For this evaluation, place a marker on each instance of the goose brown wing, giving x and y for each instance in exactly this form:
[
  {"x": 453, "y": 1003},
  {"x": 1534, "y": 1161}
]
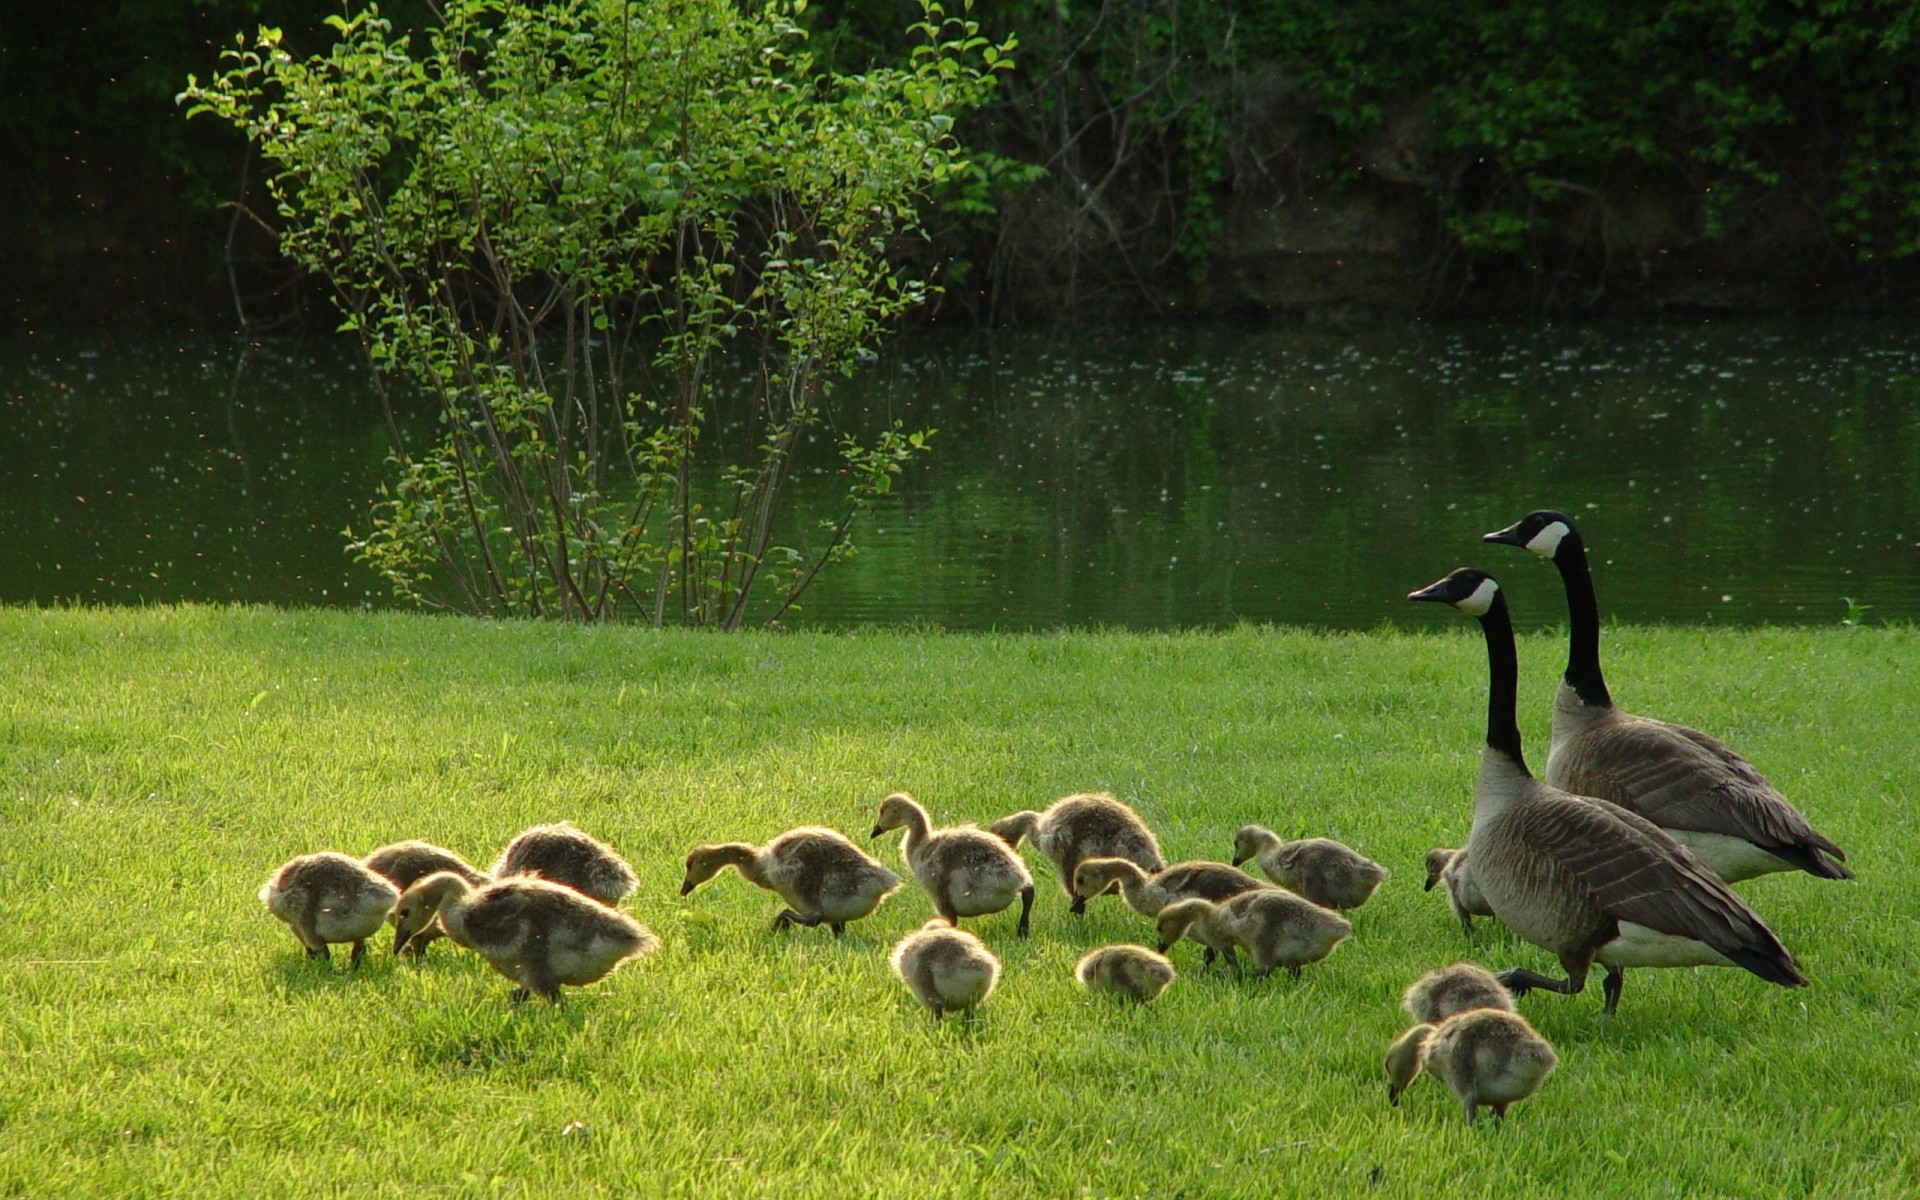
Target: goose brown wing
[
  {"x": 1636, "y": 872},
  {"x": 821, "y": 862},
  {"x": 1680, "y": 778}
]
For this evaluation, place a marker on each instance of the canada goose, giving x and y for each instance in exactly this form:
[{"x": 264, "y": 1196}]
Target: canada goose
[
  {"x": 1450, "y": 867},
  {"x": 537, "y": 933},
  {"x": 967, "y": 871},
  {"x": 1148, "y": 894},
  {"x": 946, "y": 968},
  {"x": 1454, "y": 988},
  {"x": 1585, "y": 878},
  {"x": 1321, "y": 869},
  {"x": 328, "y": 898},
  {"x": 404, "y": 863},
  {"x": 566, "y": 856},
  {"x": 1709, "y": 798},
  {"x": 1076, "y": 828},
  {"x": 1483, "y": 1055},
  {"x": 1133, "y": 972},
  {"x": 821, "y": 875},
  {"x": 1275, "y": 927}
]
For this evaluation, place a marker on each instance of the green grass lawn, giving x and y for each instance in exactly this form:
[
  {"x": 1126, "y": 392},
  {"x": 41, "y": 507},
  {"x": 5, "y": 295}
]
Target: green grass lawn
[{"x": 161, "y": 1034}]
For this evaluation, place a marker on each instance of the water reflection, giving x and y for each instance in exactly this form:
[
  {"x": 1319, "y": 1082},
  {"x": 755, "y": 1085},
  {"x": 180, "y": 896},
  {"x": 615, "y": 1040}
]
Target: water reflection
[{"x": 1724, "y": 473}]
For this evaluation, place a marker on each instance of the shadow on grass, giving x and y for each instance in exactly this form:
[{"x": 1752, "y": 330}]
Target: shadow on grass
[{"x": 300, "y": 977}]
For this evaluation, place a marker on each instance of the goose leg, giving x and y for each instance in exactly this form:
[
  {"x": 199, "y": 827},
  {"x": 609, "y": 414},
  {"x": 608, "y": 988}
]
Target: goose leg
[
  {"x": 839, "y": 929},
  {"x": 318, "y": 952},
  {"x": 1500, "y": 1112},
  {"x": 517, "y": 995},
  {"x": 539, "y": 980},
  {"x": 359, "y": 952},
  {"x": 1026, "y": 907},
  {"x": 1294, "y": 970},
  {"x": 1610, "y": 988},
  {"x": 1520, "y": 981},
  {"x": 943, "y": 905},
  {"x": 787, "y": 918}
]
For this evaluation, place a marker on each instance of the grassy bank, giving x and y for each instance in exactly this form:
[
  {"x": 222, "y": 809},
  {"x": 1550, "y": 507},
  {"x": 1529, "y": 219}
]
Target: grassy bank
[{"x": 161, "y": 1034}]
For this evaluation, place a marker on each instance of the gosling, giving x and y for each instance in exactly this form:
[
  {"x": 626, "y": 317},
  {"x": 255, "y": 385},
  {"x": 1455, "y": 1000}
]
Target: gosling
[
  {"x": 539, "y": 934},
  {"x": 1079, "y": 827},
  {"x": 564, "y": 855},
  {"x": 946, "y": 969},
  {"x": 328, "y": 898},
  {"x": 1147, "y": 894},
  {"x": 405, "y": 863},
  {"x": 1275, "y": 927},
  {"x": 1484, "y": 1056},
  {"x": 1444, "y": 991},
  {"x": 968, "y": 872},
  {"x": 1449, "y": 866},
  {"x": 1133, "y": 973},
  {"x": 1321, "y": 869},
  {"x": 821, "y": 875}
]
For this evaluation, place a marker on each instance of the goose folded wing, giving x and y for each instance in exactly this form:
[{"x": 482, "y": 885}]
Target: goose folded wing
[{"x": 1634, "y": 871}]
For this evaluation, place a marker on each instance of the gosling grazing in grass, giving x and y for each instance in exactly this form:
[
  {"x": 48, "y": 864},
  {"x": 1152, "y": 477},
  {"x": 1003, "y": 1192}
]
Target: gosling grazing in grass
[
  {"x": 1321, "y": 869},
  {"x": 1706, "y": 796},
  {"x": 1484, "y": 1056},
  {"x": 1275, "y": 927},
  {"x": 539, "y": 934},
  {"x": 404, "y": 863},
  {"x": 966, "y": 871},
  {"x": 1449, "y": 866},
  {"x": 1457, "y": 987},
  {"x": 821, "y": 875},
  {"x": 1132, "y": 972},
  {"x": 1585, "y": 878},
  {"x": 1148, "y": 894},
  {"x": 564, "y": 855},
  {"x": 946, "y": 969},
  {"x": 1076, "y": 828},
  {"x": 328, "y": 898}
]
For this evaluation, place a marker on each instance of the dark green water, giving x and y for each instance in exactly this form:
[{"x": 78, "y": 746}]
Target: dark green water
[{"x": 1748, "y": 472}]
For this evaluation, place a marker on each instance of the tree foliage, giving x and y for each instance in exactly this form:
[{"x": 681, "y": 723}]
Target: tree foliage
[{"x": 595, "y": 232}]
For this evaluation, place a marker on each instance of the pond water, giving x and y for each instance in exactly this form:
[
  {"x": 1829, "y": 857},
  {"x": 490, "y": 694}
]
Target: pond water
[{"x": 1742, "y": 472}]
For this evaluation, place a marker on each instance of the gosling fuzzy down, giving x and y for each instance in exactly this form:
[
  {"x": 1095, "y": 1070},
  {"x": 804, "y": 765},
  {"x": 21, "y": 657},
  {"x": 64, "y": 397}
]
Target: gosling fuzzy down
[
  {"x": 1324, "y": 871},
  {"x": 1131, "y": 972},
  {"x": 1275, "y": 927},
  {"x": 539, "y": 934},
  {"x": 1457, "y": 987},
  {"x": 967, "y": 872},
  {"x": 1485, "y": 1057},
  {"x": 1076, "y": 828},
  {"x": 327, "y": 898},
  {"x": 404, "y": 864},
  {"x": 946, "y": 969},
  {"x": 1449, "y": 866},
  {"x": 562, "y": 854},
  {"x": 821, "y": 875}
]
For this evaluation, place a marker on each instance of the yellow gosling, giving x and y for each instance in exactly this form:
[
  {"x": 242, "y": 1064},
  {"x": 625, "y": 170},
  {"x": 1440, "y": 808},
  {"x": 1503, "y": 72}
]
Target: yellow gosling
[
  {"x": 327, "y": 898},
  {"x": 821, "y": 875},
  {"x": 1131, "y": 972},
  {"x": 946, "y": 969}
]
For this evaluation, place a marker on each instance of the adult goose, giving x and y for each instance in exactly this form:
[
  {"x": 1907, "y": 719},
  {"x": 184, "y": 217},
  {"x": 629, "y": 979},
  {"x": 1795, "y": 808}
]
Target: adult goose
[
  {"x": 1584, "y": 878},
  {"x": 1690, "y": 785}
]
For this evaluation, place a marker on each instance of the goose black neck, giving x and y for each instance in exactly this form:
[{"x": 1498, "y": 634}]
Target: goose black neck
[
  {"x": 1583, "y": 625},
  {"x": 1503, "y": 677}
]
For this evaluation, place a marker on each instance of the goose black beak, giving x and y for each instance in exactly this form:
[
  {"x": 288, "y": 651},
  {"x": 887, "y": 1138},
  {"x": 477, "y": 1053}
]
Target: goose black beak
[
  {"x": 1240, "y": 858},
  {"x": 1510, "y": 536},
  {"x": 1431, "y": 880},
  {"x": 1434, "y": 591},
  {"x": 1079, "y": 904},
  {"x": 877, "y": 831},
  {"x": 686, "y": 888},
  {"x": 1165, "y": 946},
  {"x": 400, "y": 939}
]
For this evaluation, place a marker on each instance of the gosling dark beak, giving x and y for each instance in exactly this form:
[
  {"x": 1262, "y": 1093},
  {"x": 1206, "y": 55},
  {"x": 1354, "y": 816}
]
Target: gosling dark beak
[
  {"x": 1240, "y": 858},
  {"x": 686, "y": 887},
  {"x": 400, "y": 939},
  {"x": 1510, "y": 536},
  {"x": 1165, "y": 946},
  {"x": 1431, "y": 880},
  {"x": 1434, "y": 591},
  {"x": 877, "y": 831},
  {"x": 1079, "y": 904}
]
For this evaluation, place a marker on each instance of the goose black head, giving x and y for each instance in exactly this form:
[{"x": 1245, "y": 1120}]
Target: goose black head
[
  {"x": 1470, "y": 590},
  {"x": 1541, "y": 531}
]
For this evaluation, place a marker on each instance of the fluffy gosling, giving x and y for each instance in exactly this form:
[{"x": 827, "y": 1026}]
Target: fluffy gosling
[
  {"x": 1449, "y": 866},
  {"x": 1484, "y": 1056},
  {"x": 327, "y": 898},
  {"x": 1132, "y": 972},
  {"x": 405, "y": 863},
  {"x": 1444, "y": 991},
  {"x": 946, "y": 969},
  {"x": 967, "y": 872},
  {"x": 821, "y": 875},
  {"x": 1076, "y": 828},
  {"x": 564, "y": 855},
  {"x": 1275, "y": 927},
  {"x": 1321, "y": 869},
  {"x": 537, "y": 933}
]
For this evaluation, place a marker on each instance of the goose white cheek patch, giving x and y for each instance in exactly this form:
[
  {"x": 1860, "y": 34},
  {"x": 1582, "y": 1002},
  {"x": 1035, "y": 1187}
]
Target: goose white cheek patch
[
  {"x": 1547, "y": 541},
  {"x": 1477, "y": 604}
]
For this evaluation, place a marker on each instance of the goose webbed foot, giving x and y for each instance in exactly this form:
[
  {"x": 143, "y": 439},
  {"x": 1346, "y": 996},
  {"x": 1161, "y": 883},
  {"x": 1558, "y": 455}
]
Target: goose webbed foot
[{"x": 1520, "y": 981}]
